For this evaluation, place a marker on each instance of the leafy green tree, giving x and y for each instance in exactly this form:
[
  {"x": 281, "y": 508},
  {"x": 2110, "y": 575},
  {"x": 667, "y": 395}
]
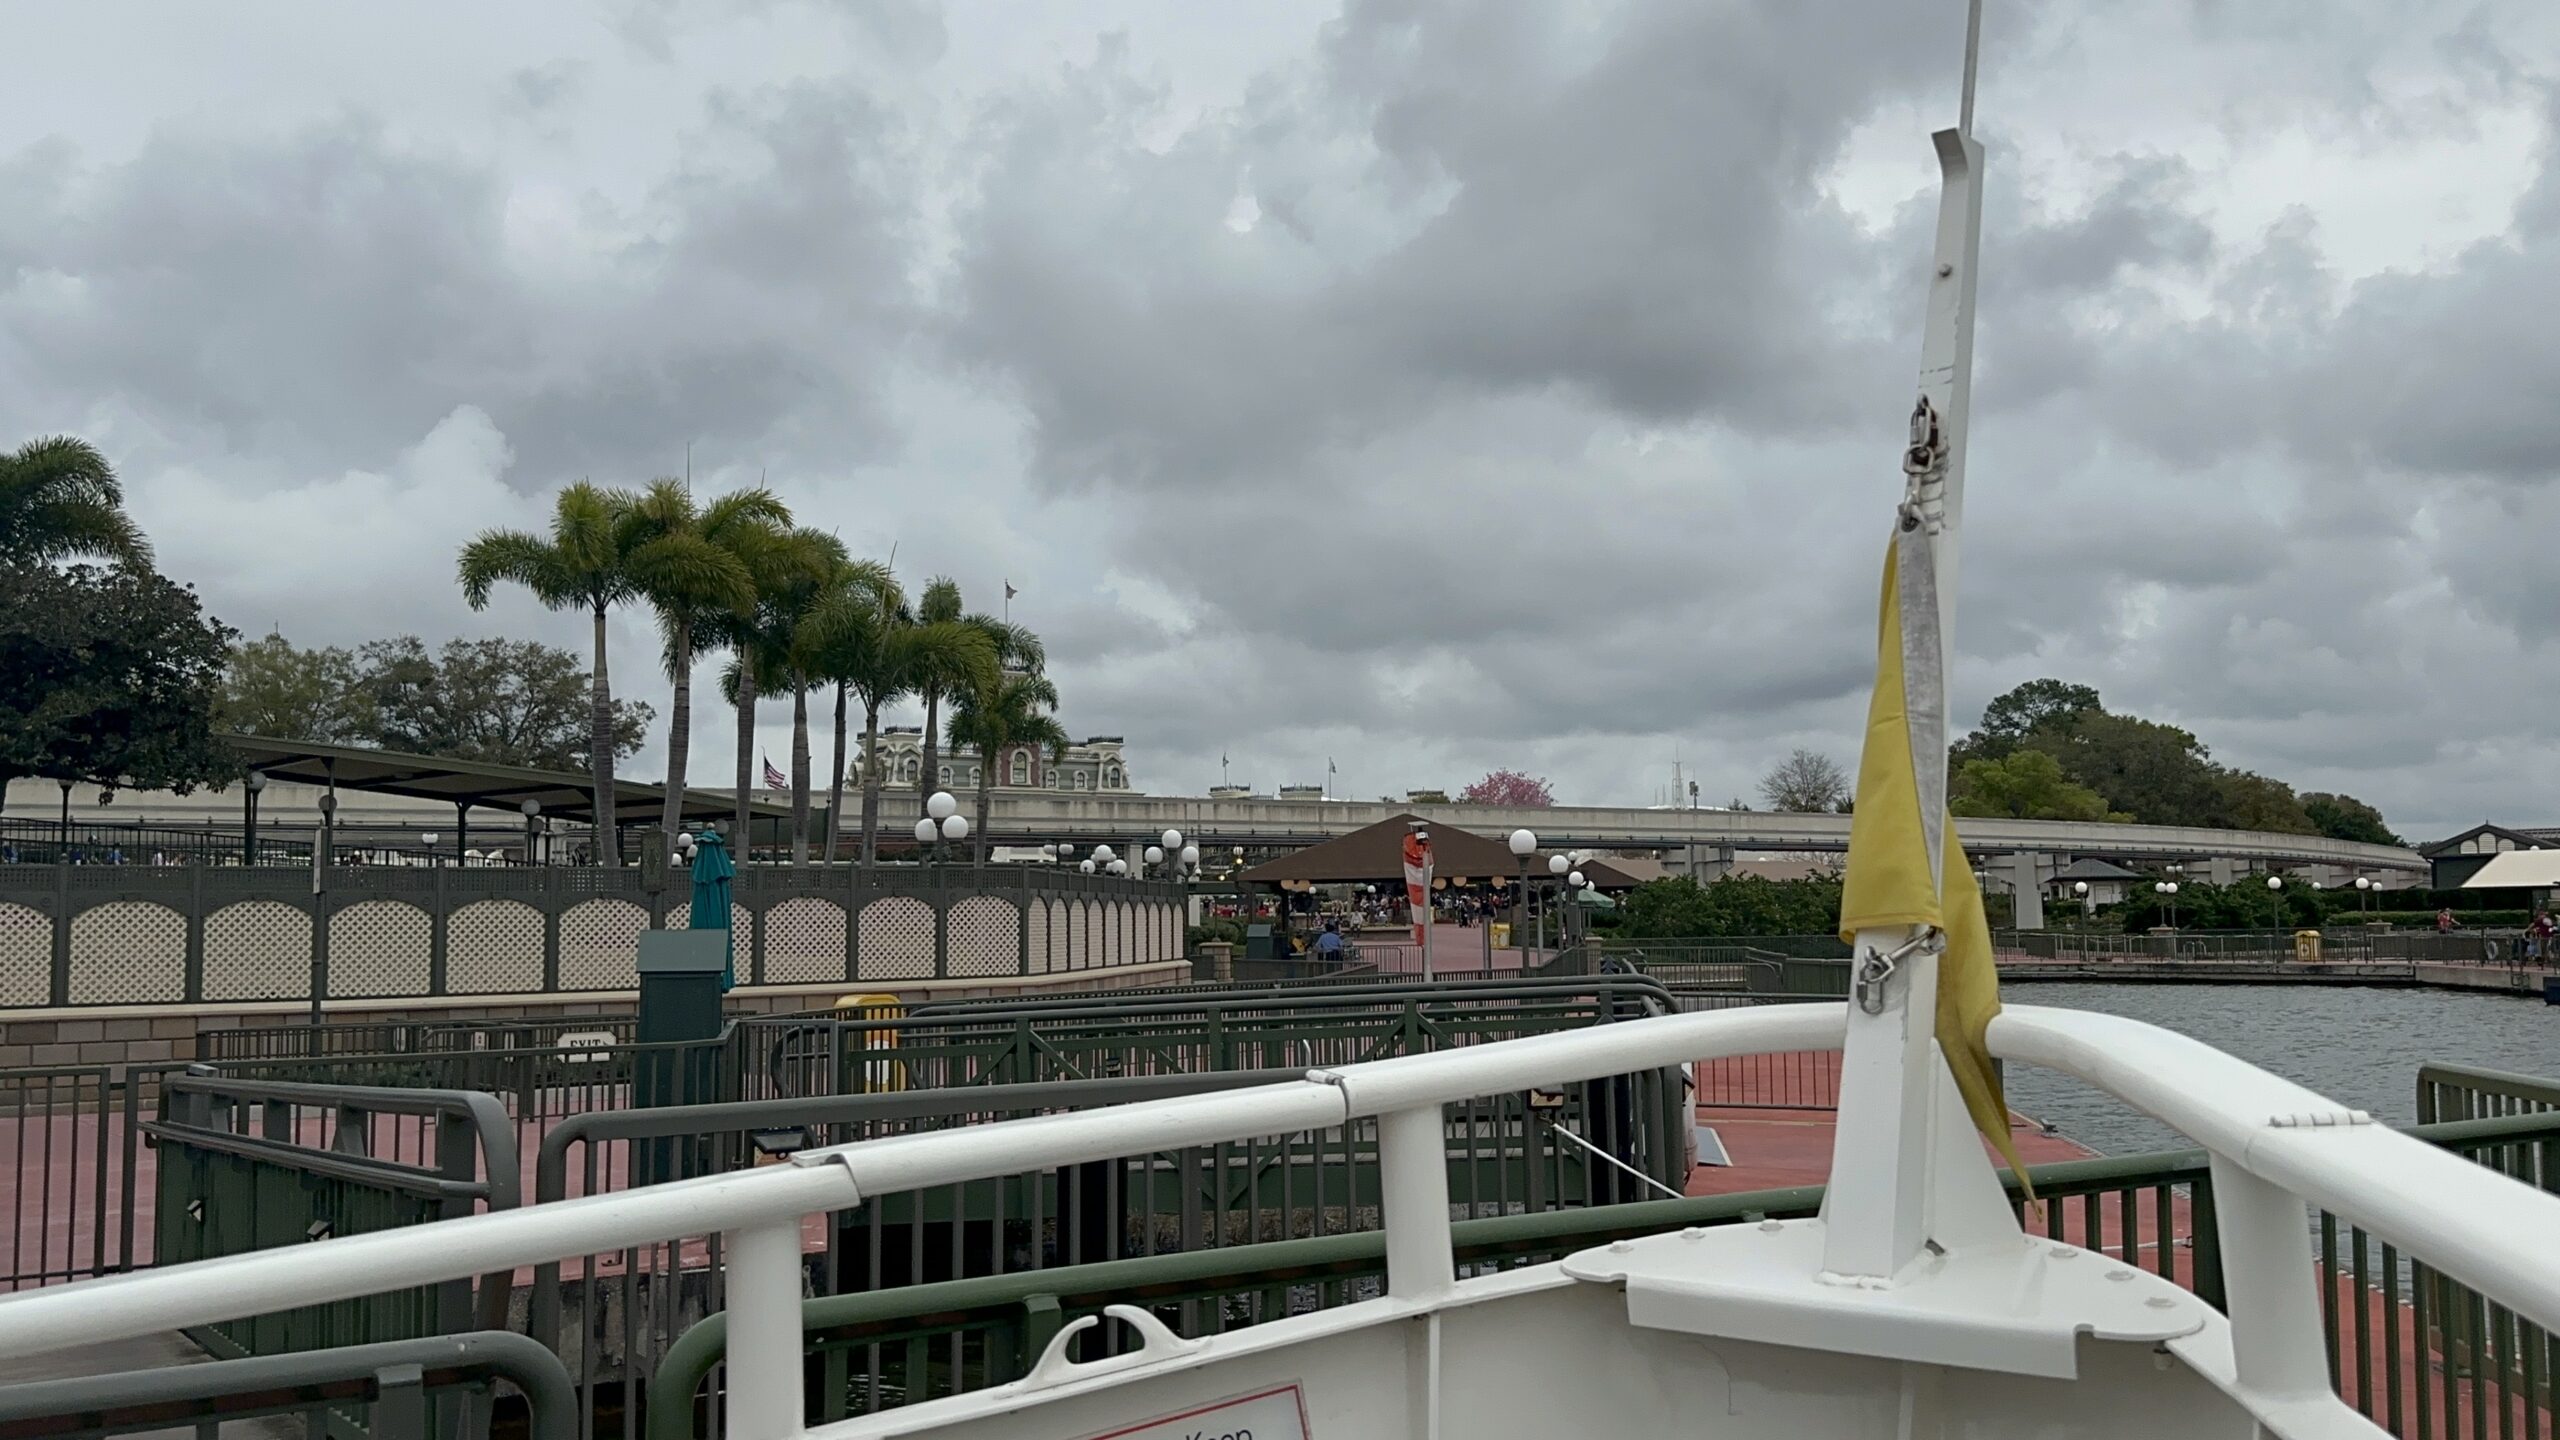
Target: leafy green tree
[
  {"x": 2158, "y": 774},
  {"x": 691, "y": 562},
  {"x": 108, "y": 676},
  {"x": 272, "y": 687},
  {"x": 1003, "y": 710},
  {"x": 2033, "y": 707},
  {"x": 2344, "y": 817},
  {"x": 583, "y": 564},
  {"x": 2024, "y": 785},
  {"x": 60, "y": 500},
  {"x": 2245, "y": 800},
  {"x": 503, "y": 702}
]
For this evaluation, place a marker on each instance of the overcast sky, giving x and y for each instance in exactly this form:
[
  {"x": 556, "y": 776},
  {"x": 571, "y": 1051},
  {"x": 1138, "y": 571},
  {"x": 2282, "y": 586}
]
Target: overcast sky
[{"x": 1428, "y": 386}]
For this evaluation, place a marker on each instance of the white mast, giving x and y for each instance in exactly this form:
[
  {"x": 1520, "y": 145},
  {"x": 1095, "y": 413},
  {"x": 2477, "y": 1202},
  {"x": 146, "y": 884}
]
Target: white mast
[{"x": 1878, "y": 1211}]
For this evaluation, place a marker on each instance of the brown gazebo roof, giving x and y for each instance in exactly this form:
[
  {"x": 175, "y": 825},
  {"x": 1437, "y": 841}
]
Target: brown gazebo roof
[{"x": 1376, "y": 852}]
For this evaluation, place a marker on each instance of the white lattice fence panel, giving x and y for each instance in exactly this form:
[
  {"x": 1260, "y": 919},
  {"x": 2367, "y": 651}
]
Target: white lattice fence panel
[
  {"x": 26, "y": 955},
  {"x": 379, "y": 948},
  {"x": 1160, "y": 932},
  {"x": 1115, "y": 933},
  {"x": 1089, "y": 934},
  {"x": 986, "y": 937},
  {"x": 493, "y": 947},
  {"x": 128, "y": 950},
  {"x": 600, "y": 945},
  {"x": 1035, "y": 936},
  {"x": 257, "y": 950},
  {"x": 803, "y": 941},
  {"x": 897, "y": 939},
  {"x": 741, "y": 921}
]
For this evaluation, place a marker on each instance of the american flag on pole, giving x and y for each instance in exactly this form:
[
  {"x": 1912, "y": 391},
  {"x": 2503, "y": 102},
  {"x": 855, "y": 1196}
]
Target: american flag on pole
[
  {"x": 774, "y": 779},
  {"x": 1417, "y": 882}
]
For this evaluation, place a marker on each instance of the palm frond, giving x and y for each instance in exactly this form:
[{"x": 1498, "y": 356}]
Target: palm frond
[
  {"x": 514, "y": 556},
  {"x": 59, "y": 498}
]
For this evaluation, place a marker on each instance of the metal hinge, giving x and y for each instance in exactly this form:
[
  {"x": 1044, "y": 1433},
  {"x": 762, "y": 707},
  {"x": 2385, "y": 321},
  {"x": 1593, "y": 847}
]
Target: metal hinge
[
  {"x": 2320, "y": 1120},
  {"x": 1878, "y": 966}
]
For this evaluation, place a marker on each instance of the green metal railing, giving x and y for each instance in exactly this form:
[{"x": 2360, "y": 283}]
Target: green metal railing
[
  {"x": 2465, "y": 1092},
  {"x": 884, "y": 1350},
  {"x": 247, "y": 1165},
  {"x": 398, "y": 1390}
]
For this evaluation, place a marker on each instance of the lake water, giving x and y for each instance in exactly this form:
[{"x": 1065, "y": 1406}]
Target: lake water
[{"x": 2360, "y": 1047}]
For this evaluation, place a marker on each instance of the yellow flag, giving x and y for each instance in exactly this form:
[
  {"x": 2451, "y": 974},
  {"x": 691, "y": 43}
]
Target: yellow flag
[{"x": 1888, "y": 885}]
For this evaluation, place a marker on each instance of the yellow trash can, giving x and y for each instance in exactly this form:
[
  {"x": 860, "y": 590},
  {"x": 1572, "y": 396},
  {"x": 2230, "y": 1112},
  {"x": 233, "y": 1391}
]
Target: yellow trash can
[
  {"x": 881, "y": 1073},
  {"x": 2306, "y": 945},
  {"x": 1501, "y": 934}
]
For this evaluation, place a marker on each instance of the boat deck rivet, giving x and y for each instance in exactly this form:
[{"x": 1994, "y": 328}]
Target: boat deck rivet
[
  {"x": 2119, "y": 1274},
  {"x": 1693, "y": 1233},
  {"x": 1771, "y": 1225},
  {"x": 1620, "y": 1247},
  {"x": 2065, "y": 1252},
  {"x": 2159, "y": 1302}
]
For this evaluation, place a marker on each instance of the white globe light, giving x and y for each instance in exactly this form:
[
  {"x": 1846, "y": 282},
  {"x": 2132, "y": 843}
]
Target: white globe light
[
  {"x": 1172, "y": 842},
  {"x": 1102, "y": 853},
  {"x": 531, "y": 808},
  {"x": 2363, "y": 884},
  {"x": 926, "y": 831},
  {"x": 955, "y": 827},
  {"x": 2275, "y": 882},
  {"x": 1523, "y": 842},
  {"x": 1557, "y": 865},
  {"x": 1119, "y": 867},
  {"x": 2173, "y": 887},
  {"x": 2079, "y": 887},
  {"x": 1085, "y": 865},
  {"x": 1155, "y": 854},
  {"x": 1576, "y": 879},
  {"x": 1191, "y": 855},
  {"x": 1050, "y": 851},
  {"x": 941, "y": 806}
]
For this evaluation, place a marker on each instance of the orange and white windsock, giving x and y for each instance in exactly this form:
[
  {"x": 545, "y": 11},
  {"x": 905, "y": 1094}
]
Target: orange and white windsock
[{"x": 1417, "y": 879}]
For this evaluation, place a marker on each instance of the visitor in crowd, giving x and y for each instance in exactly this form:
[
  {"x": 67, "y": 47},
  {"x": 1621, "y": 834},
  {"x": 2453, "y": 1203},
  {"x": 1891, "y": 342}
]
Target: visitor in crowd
[
  {"x": 2444, "y": 921},
  {"x": 1329, "y": 944},
  {"x": 2537, "y": 938}
]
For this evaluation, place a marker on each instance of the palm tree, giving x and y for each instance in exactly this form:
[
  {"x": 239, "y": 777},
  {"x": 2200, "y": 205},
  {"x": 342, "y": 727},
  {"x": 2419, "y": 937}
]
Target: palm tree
[
  {"x": 1015, "y": 648},
  {"x": 59, "y": 499},
  {"x": 875, "y": 651},
  {"x": 692, "y": 565},
  {"x": 586, "y": 563},
  {"x": 785, "y": 564},
  {"x": 1004, "y": 710}
]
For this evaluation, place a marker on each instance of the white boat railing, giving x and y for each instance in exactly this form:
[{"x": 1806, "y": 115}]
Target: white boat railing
[{"x": 2275, "y": 1145}]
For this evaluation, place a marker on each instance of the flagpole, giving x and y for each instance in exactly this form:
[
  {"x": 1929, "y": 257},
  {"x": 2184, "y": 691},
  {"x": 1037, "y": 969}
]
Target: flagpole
[{"x": 1877, "y": 1212}]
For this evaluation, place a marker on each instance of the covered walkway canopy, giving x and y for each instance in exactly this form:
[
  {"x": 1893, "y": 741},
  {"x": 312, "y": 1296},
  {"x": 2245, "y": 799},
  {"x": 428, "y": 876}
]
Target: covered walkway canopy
[
  {"x": 562, "y": 794},
  {"x": 1376, "y": 852}
]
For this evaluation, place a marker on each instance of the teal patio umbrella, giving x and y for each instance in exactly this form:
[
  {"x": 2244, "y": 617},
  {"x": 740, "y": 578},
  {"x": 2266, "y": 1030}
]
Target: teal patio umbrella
[{"x": 711, "y": 873}]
